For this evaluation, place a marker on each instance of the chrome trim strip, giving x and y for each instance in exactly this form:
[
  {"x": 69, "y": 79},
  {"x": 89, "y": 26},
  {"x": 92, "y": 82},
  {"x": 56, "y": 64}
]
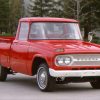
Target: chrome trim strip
[
  {"x": 82, "y": 59},
  {"x": 73, "y": 73}
]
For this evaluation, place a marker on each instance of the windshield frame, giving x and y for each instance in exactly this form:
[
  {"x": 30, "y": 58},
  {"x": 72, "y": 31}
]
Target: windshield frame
[{"x": 55, "y": 38}]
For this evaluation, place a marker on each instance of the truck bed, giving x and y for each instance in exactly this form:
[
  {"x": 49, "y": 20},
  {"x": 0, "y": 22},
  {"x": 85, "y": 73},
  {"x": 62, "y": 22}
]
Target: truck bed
[
  {"x": 6, "y": 39},
  {"x": 5, "y": 51}
]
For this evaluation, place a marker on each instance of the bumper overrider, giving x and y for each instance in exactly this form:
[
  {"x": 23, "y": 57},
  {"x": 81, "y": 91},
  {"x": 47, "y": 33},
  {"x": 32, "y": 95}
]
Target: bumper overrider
[{"x": 74, "y": 73}]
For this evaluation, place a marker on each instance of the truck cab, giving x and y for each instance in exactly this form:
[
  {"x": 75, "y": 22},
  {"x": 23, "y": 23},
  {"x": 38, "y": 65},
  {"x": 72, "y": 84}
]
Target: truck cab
[{"x": 53, "y": 50}]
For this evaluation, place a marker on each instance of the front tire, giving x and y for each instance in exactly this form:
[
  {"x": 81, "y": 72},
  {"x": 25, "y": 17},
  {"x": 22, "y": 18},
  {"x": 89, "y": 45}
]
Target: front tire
[
  {"x": 96, "y": 84},
  {"x": 3, "y": 73},
  {"x": 44, "y": 80}
]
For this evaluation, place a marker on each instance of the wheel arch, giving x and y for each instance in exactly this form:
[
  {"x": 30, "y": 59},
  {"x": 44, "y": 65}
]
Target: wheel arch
[{"x": 36, "y": 61}]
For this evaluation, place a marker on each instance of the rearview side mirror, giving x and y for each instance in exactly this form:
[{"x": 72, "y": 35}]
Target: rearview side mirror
[{"x": 90, "y": 36}]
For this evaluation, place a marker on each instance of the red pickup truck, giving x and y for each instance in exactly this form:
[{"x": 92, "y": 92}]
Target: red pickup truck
[{"x": 53, "y": 50}]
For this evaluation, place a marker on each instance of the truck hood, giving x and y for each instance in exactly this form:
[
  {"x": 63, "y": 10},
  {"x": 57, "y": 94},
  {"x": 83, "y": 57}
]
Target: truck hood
[
  {"x": 70, "y": 46},
  {"x": 77, "y": 47}
]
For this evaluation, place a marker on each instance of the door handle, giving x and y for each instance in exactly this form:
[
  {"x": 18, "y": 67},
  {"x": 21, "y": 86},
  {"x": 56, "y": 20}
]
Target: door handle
[{"x": 15, "y": 42}]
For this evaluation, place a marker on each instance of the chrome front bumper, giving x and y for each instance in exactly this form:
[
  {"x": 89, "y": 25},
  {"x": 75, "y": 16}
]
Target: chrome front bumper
[{"x": 74, "y": 73}]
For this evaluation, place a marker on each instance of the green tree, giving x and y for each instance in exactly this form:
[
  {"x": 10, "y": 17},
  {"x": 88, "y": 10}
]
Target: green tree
[
  {"x": 40, "y": 7},
  {"x": 15, "y": 14},
  {"x": 88, "y": 16},
  {"x": 45, "y": 8},
  {"x": 57, "y": 9},
  {"x": 4, "y": 15},
  {"x": 86, "y": 11}
]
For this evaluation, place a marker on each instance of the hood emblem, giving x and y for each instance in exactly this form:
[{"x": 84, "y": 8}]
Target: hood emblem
[{"x": 60, "y": 50}]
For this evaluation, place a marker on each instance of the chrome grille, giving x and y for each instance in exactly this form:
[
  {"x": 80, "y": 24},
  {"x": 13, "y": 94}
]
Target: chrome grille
[{"x": 85, "y": 60}]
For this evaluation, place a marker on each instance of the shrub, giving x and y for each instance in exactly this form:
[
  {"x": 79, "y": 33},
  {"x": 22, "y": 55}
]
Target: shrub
[{"x": 6, "y": 34}]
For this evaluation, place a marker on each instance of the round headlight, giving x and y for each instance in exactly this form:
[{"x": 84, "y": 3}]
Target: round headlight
[
  {"x": 60, "y": 61},
  {"x": 63, "y": 60},
  {"x": 67, "y": 60}
]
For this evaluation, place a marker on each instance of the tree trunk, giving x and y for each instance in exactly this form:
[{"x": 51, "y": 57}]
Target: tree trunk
[{"x": 87, "y": 29}]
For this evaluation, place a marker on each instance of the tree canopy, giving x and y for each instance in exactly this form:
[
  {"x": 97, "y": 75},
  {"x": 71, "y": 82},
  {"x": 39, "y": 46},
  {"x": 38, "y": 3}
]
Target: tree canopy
[
  {"x": 4, "y": 15},
  {"x": 15, "y": 14},
  {"x": 86, "y": 11},
  {"x": 10, "y": 12},
  {"x": 45, "y": 8},
  {"x": 83, "y": 10}
]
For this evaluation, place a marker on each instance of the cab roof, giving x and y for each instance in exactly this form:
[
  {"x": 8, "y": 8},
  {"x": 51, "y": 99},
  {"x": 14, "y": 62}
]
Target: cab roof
[{"x": 46, "y": 19}]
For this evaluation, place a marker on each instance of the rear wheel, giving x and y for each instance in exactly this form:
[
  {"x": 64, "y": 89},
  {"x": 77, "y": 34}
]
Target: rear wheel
[
  {"x": 3, "y": 73},
  {"x": 96, "y": 84},
  {"x": 44, "y": 80}
]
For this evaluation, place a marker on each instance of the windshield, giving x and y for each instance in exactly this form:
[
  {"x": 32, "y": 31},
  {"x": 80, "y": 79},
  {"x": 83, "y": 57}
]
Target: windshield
[{"x": 60, "y": 31}]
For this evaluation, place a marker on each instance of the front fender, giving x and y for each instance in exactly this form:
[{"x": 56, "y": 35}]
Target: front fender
[{"x": 48, "y": 60}]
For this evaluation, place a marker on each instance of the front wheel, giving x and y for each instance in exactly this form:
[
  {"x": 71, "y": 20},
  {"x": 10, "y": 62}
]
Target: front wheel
[
  {"x": 96, "y": 84},
  {"x": 44, "y": 80},
  {"x": 3, "y": 73}
]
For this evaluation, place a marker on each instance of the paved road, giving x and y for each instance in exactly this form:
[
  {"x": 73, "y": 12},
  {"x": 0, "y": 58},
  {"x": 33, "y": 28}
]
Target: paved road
[{"x": 22, "y": 87}]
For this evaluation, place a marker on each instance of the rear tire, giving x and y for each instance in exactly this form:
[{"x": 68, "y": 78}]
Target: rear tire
[
  {"x": 45, "y": 82},
  {"x": 3, "y": 73},
  {"x": 96, "y": 84}
]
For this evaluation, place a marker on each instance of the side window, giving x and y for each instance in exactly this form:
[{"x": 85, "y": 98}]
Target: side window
[
  {"x": 24, "y": 29},
  {"x": 36, "y": 31}
]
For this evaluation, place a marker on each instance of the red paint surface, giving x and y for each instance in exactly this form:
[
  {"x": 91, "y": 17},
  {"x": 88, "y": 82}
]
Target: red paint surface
[
  {"x": 47, "y": 19},
  {"x": 19, "y": 55}
]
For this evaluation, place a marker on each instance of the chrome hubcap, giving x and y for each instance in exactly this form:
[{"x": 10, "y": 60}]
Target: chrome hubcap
[{"x": 42, "y": 78}]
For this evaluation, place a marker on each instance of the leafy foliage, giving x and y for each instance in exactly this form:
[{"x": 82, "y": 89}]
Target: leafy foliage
[
  {"x": 86, "y": 11},
  {"x": 14, "y": 14},
  {"x": 10, "y": 12},
  {"x": 40, "y": 7},
  {"x": 6, "y": 34},
  {"x": 96, "y": 40},
  {"x": 45, "y": 8},
  {"x": 4, "y": 15}
]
